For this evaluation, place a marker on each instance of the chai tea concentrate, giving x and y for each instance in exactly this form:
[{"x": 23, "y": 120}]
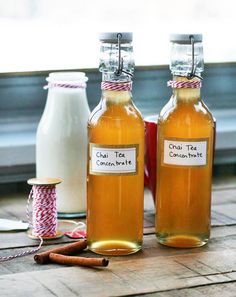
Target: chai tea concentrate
[
  {"x": 185, "y": 152},
  {"x": 115, "y": 156}
]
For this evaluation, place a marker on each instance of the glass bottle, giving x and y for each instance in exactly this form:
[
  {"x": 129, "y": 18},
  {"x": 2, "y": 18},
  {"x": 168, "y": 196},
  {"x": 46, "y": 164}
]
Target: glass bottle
[
  {"x": 115, "y": 156},
  {"x": 61, "y": 144},
  {"x": 185, "y": 152}
]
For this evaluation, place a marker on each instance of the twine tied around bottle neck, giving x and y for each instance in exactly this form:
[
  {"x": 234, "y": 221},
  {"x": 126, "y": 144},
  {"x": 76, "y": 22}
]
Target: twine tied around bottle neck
[
  {"x": 52, "y": 85},
  {"x": 184, "y": 84},
  {"x": 116, "y": 86}
]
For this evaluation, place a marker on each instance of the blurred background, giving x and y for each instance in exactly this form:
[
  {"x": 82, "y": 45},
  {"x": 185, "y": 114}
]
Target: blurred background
[{"x": 59, "y": 34}]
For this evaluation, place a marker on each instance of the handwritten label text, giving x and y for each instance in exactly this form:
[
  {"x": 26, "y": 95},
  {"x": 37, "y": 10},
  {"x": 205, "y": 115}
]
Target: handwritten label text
[
  {"x": 185, "y": 153},
  {"x": 113, "y": 160}
]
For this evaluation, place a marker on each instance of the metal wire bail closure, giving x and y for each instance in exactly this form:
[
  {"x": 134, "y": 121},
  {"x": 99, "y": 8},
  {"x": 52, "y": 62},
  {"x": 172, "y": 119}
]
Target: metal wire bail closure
[
  {"x": 120, "y": 59},
  {"x": 192, "y": 74},
  {"x": 120, "y": 69}
]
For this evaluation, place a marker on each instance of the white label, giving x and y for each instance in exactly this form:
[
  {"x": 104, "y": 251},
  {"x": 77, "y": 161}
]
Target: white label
[
  {"x": 113, "y": 159},
  {"x": 185, "y": 153}
]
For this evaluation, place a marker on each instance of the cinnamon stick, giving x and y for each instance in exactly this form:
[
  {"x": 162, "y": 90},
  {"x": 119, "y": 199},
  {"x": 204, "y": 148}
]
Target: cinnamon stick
[
  {"x": 69, "y": 249},
  {"x": 81, "y": 261}
]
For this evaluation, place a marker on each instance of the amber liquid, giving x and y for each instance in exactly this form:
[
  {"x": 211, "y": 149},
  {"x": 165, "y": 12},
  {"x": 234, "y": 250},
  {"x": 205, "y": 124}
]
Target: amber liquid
[
  {"x": 115, "y": 202},
  {"x": 184, "y": 192}
]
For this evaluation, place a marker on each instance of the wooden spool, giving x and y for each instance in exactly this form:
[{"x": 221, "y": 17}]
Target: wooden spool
[{"x": 45, "y": 181}]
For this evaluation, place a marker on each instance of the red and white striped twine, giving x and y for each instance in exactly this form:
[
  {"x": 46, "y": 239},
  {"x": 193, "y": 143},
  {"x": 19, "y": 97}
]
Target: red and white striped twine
[
  {"x": 44, "y": 222},
  {"x": 184, "y": 84},
  {"x": 22, "y": 254},
  {"x": 51, "y": 85},
  {"x": 116, "y": 86}
]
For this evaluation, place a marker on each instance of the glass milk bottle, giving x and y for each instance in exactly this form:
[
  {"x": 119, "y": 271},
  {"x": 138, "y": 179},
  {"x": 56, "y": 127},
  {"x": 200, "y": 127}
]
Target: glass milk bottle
[
  {"x": 115, "y": 156},
  {"x": 61, "y": 145},
  {"x": 185, "y": 152}
]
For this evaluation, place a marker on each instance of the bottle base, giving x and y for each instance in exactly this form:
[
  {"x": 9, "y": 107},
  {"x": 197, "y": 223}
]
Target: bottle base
[
  {"x": 71, "y": 215},
  {"x": 114, "y": 247},
  {"x": 182, "y": 241}
]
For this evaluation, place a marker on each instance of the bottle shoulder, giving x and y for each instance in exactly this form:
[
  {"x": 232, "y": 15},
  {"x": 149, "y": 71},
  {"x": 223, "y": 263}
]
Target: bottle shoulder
[
  {"x": 105, "y": 113},
  {"x": 185, "y": 112}
]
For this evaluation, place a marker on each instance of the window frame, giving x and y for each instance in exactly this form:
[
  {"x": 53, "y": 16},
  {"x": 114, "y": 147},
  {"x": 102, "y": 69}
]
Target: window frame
[{"x": 22, "y": 100}]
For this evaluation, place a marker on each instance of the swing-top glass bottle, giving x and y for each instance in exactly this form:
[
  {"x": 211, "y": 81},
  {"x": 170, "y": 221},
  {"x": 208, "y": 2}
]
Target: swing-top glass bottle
[
  {"x": 115, "y": 155},
  {"x": 185, "y": 152}
]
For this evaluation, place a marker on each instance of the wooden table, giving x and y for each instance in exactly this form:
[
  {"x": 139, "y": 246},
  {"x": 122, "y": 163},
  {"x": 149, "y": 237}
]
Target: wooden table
[{"x": 155, "y": 271}]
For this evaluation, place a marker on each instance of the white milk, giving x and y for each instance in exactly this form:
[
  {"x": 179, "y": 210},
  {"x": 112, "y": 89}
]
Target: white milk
[{"x": 61, "y": 145}]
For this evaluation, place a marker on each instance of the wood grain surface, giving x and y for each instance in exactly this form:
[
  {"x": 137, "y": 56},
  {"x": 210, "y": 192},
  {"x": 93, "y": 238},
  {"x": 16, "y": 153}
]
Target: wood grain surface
[{"x": 155, "y": 271}]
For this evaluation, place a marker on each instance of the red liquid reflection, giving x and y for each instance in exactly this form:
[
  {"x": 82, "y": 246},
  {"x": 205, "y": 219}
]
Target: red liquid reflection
[{"x": 150, "y": 153}]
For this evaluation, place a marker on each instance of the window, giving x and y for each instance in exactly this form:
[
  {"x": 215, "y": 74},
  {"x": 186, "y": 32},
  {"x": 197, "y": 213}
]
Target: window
[{"x": 63, "y": 34}]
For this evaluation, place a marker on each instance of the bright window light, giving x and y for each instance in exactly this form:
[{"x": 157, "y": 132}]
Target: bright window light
[{"x": 63, "y": 34}]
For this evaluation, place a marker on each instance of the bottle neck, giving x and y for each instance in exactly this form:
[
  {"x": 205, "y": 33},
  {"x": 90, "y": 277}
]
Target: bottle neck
[
  {"x": 66, "y": 101},
  {"x": 186, "y": 94},
  {"x": 112, "y": 77},
  {"x": 66, "y": 94},
  {"x": 116, "y": 97}
]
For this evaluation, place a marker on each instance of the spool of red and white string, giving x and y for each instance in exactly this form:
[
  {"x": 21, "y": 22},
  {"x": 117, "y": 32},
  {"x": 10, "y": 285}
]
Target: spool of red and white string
[
  {"x": 197, "y": 84},
  {"x": 44, "y": 210},
  {"x": 116, "y": 86},
  {"x": 44, "y": 213}
]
